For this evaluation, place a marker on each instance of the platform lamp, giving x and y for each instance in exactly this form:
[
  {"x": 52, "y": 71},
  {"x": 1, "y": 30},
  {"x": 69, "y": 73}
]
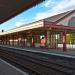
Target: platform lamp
[{"x": 2, "y": 30}]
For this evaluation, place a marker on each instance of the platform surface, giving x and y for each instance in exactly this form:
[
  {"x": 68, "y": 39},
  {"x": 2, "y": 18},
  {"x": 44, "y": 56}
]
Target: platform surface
[
  {"x": 8, "y": 69},
  {"x": 59, "y": 52}
]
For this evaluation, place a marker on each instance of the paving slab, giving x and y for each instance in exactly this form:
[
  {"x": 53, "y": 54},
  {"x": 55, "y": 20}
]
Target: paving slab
[{"x": 8, "y": 69}]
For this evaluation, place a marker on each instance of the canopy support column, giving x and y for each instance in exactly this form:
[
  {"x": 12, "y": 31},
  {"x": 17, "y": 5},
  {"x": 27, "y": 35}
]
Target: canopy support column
[
  {"x": 48, "y": 39},
  {"x": 64, "y": 41}
]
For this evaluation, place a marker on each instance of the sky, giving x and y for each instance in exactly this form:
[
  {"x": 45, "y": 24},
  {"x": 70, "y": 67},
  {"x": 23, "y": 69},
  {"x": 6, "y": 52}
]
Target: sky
[{"x": 43, "y": 10}]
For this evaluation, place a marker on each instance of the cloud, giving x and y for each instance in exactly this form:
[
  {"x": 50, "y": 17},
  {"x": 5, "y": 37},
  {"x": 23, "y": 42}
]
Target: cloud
[
  {"x": 59, "y": 7},
  {"x": 64, "y": 4},
  {"x": 47, "y": 3},
  {"x": 21, "y": 22}
]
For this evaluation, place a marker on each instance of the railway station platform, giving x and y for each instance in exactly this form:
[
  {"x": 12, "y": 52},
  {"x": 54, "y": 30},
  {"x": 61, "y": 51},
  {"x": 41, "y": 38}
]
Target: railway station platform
[
  {"x": 68, "y": 53},
  {"x": 8, "y": 69},
  {"x": 50, "y": 61}
]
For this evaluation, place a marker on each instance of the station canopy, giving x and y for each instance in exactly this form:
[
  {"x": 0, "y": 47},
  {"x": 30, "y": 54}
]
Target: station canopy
[{"x": 10, "y": 8}]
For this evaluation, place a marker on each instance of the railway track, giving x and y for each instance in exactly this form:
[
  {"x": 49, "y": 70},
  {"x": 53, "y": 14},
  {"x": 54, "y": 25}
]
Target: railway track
[{"x": 39, "y": 63}]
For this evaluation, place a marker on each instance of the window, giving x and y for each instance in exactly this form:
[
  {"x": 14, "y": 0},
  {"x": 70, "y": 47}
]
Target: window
[{"x": 72, "y": 22}]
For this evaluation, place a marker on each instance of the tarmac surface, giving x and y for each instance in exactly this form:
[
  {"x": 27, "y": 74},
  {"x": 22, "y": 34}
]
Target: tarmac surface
[{"x": 8, "y": 69}]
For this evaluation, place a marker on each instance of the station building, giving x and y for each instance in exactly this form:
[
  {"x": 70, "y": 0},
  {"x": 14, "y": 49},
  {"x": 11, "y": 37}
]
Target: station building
[{"x": 56, "y": 32}]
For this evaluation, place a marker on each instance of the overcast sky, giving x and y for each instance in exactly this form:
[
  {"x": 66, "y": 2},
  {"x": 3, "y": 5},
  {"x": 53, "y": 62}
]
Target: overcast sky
[{"x": 46, "y": 9}]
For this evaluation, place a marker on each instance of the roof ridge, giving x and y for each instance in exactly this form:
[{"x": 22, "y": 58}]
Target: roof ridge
[
  {"x": 58, "y": 17},
  {"x": 70, "y": 12}
]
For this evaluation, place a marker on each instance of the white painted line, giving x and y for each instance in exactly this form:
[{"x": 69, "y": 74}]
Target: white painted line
[{"x": 14, "y": 67}]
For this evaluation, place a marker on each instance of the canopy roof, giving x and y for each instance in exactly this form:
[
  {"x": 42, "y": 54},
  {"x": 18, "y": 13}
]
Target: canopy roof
[
  {"x": 10, "y": 8},
  {"x": 47, "y": 22}
]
